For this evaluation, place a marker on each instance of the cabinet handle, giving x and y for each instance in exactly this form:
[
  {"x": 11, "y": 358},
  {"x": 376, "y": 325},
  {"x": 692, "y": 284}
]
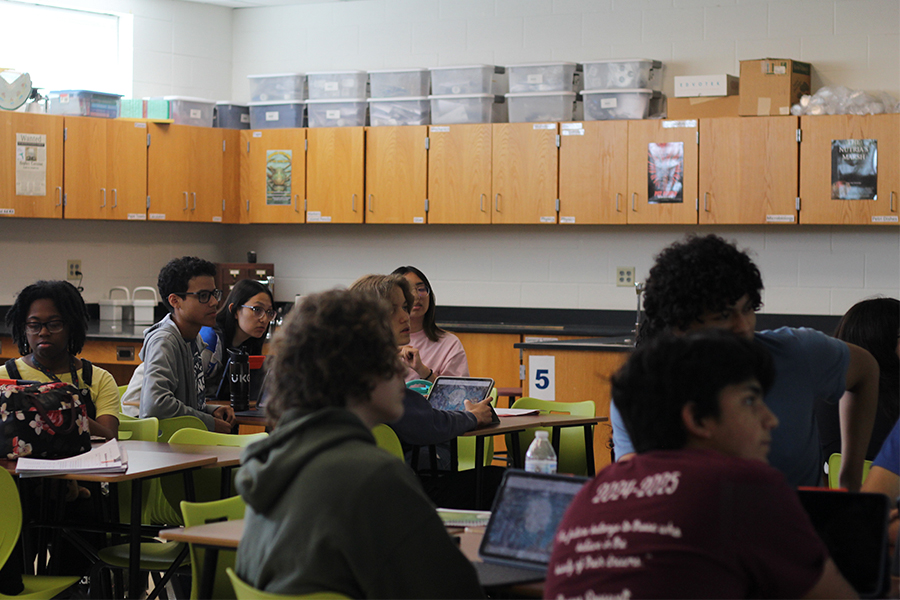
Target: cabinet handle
[
  {"x": 893, "y": 194},
  {"x": 194, "y": 194},
  {"x": 115, "y": 198},
  {"x": 482, "y": 203},
  {"x": 371, "y": 204},
  {"x": 706, "y": 201},
  {"x": 296, "y": 203},
  {"x": 618, "y": 195},
  {"x": 353, "y": 202},
  {"x": 497, "y": 202},
  {"x": 248, "y": 206},
  {"x": 104, "y": 197},
  {"x": 633, "y": 198},
  {"x": 58, "y": 196},
  {"x": 185, "y": 200}
]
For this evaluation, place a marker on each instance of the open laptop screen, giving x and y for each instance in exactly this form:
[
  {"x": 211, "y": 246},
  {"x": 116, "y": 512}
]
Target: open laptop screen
[{"x": 449, "y": 393}]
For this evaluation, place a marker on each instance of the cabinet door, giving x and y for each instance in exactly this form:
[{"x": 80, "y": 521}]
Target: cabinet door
[
  {"x": 169, "y": 173},
  {"x": 86, "y": 195},
  {"x": 206, "y": 181},
  {"x": 849, "y": 156},
  {"x": 748, "y": 170},
  {"x": 525, "y": 161},
  {"x": 335, "y": 173},
  {"x": 126, "y": 173},
  {"x": 42, "y": 185},
  {"x": 459, "y": 173},
  {"x": 396, "y": 174},
  {"x": 231, "y": 176},
  {"x": 593, "y": 172},
  {"x": 662, "y": 171},
  {"x": 276, "y": 176}
]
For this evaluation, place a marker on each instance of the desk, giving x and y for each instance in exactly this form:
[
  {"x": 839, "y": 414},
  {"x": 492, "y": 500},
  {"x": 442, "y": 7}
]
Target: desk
[{"x": 212, "y": 536}]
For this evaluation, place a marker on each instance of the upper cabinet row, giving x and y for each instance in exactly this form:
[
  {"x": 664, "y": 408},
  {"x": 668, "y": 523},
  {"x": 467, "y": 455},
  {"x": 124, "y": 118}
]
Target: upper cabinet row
[{"x": 751, "y": 170}]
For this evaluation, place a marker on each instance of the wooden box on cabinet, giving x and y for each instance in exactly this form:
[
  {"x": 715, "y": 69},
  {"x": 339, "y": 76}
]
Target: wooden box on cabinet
[
  {"x": 264, "y": 181},
  {"x": 43, "y": 129}
]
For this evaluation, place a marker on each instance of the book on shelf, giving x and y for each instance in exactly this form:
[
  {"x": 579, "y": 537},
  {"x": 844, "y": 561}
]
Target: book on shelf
[{"x": 106, "y": 458}]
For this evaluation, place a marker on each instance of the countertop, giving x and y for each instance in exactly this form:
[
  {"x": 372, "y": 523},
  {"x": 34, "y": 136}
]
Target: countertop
[{"x": 604, "y": 344}]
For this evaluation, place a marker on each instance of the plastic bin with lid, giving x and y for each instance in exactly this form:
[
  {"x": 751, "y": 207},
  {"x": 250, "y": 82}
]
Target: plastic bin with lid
[
  {"x": 450, "y": 109},
  {"x": 185, "y": 110},
  {"x": 336, "y": 84},
  {"x": 399, "y": 111},
  {"x": 232, "y": 116},
  {"x": 277, "y": 87},
  {"x": 398, "y": 83},
  {"x": 115, "y": 309},
  {"x": 627, "y": 73},
  {"x": 541, "y": 106},
  {"x": 276, "y": 115},
  {"x": 84, "y": 103},
  {"x": 542, "y": 77},
  {"x": 350, "y": 112},
  {"x": 468, "y": 79},
  {"x": 604, "y": 105},
  {"x": 144, "y": 308}
]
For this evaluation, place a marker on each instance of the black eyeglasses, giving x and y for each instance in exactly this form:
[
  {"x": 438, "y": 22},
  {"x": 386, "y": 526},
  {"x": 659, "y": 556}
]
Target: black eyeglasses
[
  {"x": 422, "y": 289},
  {"x": 259, "y": 311},
  {"x": 203, "y": 296},
  {"x": 52, "y": 326}
]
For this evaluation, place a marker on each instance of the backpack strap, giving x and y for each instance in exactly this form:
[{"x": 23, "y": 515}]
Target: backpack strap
[
  {"x": 87, "y": 371},
  {"x": 12, "y": 370}
]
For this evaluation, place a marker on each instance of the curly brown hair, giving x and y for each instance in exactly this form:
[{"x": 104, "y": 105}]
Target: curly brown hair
[{"x": 334, "y": 347}]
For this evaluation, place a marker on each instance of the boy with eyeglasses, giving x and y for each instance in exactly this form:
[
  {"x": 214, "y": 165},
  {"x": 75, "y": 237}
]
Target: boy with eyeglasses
[{"x": 173, "y": 382}]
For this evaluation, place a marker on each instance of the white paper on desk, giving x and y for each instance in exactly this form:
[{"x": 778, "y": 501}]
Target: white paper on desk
[
  {"x": 542, "y": 377},
  {"x": 516, "y": 412},
  {"x": 108, "y": 458}
]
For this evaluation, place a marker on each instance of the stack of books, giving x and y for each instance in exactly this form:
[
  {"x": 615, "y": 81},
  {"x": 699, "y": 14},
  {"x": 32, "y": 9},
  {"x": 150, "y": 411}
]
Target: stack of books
[{"x": 107, "y": 458}]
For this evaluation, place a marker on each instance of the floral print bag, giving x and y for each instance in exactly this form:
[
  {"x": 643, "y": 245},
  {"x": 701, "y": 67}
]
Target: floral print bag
[{"x": 42, "y": 420}]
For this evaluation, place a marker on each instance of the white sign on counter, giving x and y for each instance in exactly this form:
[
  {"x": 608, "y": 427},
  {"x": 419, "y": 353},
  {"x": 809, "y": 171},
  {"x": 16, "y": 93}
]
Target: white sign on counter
[{"x": 542, "y": 377}]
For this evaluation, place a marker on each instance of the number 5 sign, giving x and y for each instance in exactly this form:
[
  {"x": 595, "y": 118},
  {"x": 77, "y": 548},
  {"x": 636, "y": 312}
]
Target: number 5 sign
[{"x": 542, "y": 377}]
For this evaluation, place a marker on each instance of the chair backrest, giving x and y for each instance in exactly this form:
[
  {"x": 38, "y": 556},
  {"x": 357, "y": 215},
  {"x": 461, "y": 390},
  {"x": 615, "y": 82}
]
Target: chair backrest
[
  {"x": 387, "y": 439},
  {"x": 245, "y": 591},
  {"x": 122, "y": 389},
  {"x": 572, "y": 452},
  {"x": 204, "y": 437},
  {"x": 169, "y": 426},
  {"x": 200, "y": 513},
  {"x": 834, "y": 470},
  {"x": 142, "y": 430},
  {"x": 11, "y": 523},
  {"x": 422, "y": 386}
]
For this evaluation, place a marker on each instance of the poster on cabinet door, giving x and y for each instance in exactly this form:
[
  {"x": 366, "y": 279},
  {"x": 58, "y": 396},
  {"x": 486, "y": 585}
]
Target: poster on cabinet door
[
  {"x": 854, "y": 169},
  {"x": 278, "y": 177},
  {"x": 665, "y": 172},
  {"x": 31, "y": 164}
]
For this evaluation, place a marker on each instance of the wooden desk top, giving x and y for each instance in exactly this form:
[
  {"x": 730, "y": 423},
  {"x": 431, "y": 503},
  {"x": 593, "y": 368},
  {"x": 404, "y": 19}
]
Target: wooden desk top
[
  {"x": 511, "y": 424},
  {"x": 224, "y": 534},
  {"x": 226, "y": 456}
]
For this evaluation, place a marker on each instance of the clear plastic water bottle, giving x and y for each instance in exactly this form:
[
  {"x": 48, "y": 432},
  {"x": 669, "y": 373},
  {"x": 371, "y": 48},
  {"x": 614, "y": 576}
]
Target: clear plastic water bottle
[{"x": 540, "y": 457}]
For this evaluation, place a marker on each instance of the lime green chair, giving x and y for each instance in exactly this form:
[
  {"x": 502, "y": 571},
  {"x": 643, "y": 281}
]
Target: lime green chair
[
  {"x": 572, "y": 452},
  {"x": 122, "y": 389},
  {"x": 36, "y": 586},
  {"x": 200, "y": 513},
  {"x": 465, "y": 446},
  {"x": 245, "y": 591},
  {"x": 387, "y": 439},
  {"x": 169, "y": 426},
  {"x": 834, "y": 470},
  {"x": 143, "y": 430}
]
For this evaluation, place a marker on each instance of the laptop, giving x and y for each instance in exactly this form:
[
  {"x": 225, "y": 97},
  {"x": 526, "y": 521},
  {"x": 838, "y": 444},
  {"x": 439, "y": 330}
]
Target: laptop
[
  {"x": 449, "y": 393},
  {"x": 519, "y": 536},
  {"x": 854, "y": 528}
]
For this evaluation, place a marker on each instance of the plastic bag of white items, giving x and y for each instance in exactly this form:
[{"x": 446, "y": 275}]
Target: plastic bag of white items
[{"x": 839, "y": 100}]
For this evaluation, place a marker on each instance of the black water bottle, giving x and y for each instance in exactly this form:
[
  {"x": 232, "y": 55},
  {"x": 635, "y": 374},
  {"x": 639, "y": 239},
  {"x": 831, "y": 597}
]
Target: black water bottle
[{"x": 239, "y": 379}]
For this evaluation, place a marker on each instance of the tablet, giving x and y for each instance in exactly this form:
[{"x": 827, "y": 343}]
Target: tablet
[{"x": 449, "y": 393}]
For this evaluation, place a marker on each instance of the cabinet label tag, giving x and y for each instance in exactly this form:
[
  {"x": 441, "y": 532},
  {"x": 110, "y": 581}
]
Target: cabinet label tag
[
  {"x": 544, "y": 126},
  {"x": 573, "y": 132},
  {"x": 157, "y": 216},
  {"x": 440, "y": 129},
  {"x": 137, "y": 217},
  {"x": 548, "y": 219},
  {"x": 141, "y": 125},
  {"x": 567, "y": 220},
  {"x": 7, "y": 211},
  {"x": 678, "y": 124},
  {"x": 418, "y": 219},
  {"x": 780, "y": 218},
  {"x": 884, "y": 219},
  {"x": 257, "y": 134}
]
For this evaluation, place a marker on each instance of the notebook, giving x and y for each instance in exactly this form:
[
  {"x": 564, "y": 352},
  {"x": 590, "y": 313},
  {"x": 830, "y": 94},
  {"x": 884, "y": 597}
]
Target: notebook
[
  {"x": 854, "y": 528},
  {"x": 518, "y": 540},
  {"x": 449, "y": 393}
]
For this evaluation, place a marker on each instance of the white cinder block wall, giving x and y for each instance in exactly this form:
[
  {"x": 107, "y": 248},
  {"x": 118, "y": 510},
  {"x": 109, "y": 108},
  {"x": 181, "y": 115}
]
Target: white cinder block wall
[{"x": 183, "y": 48}]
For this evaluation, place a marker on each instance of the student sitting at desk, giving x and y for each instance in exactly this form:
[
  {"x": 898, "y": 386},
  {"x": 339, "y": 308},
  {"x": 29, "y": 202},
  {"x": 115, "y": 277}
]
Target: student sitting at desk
[
  {"x": 697, "y": 512},
  {"x": 327, "y": 510}
]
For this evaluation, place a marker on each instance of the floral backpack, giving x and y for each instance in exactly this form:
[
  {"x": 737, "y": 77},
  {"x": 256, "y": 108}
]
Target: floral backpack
[{"x": 42, "y": 420}]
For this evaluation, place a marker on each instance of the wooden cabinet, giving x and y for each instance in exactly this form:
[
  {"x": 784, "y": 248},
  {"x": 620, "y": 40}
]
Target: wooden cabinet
[
  {"x": 335, "y": 174},
  {"x": 660, "y": 153},
  {"x": 493, "y": 355},
  {"x": 275, "y": 175},
  {"x": 748, "y": 170},
  {"x": 593, "y": 172},
  {"x": 41, "y": 135},
  {"x": 525, "y": 172},
  {"x": 396, "y": 174},
  {"x": 185, "y": 173},
  {"x": 459, "y": 174},
  {"x": 231, "y": 177},
  {"x": 119, "y": 357},
  {"x": 848, "y": 156},
  {"x": 105, "y": 169}
]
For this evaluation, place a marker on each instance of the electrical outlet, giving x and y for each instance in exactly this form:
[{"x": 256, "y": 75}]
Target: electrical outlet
[
  {"x": 624, "y": 276},
  {"x": 73, "y": 269}
]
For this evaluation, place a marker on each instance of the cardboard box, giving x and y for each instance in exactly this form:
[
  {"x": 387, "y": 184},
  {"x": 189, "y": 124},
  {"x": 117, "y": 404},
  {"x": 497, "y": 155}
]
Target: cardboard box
[
  {"x": 691, "y": 86},
  {"x": 703, "y": 108},
  {"x": 770, "y": 86}
]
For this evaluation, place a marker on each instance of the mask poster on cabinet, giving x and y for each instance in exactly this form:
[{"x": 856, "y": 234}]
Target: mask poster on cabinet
[
  {"x": 854, "y": 169},
  {"x": 278, "y": 177},
  {"x": 665, "y": 172}
]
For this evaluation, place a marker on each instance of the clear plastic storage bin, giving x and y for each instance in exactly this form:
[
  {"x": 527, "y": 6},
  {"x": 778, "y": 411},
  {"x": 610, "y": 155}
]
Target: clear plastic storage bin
[
  {"x": 232, "y": 116},
  {"x": 541, "y": 106},
  {"x": 628, "y": 73},
  {"x": 399, "y": 83},
  {"x": 277, "y": 87},
  {"x": 399, "y": 111},
  {"x": 462, "y": 108},
  {"x": 603, "y": 105},
  {"x": 184, "y": 110},
  {"x": 474, "y": 79},
  {"x": 276, "y": 115},
  {"x": 336, "y": 84},
  {"x": 337, "y": 113},
  {"x": 542, "y": 77},
  {"x": 84, "y": 103}
]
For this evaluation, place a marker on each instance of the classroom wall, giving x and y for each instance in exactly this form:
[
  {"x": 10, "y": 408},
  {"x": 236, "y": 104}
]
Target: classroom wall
[{"x": 807, "y": 270}]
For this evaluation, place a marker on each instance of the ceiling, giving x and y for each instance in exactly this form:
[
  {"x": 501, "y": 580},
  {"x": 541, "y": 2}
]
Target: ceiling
[{"x": 258, "y": 3}]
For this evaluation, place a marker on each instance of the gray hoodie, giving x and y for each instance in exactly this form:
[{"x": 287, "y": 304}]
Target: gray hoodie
[{"x": 328, "y": 510}]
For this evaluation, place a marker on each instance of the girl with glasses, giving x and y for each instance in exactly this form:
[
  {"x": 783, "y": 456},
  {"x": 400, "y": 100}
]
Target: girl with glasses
[{"x": 431, "y": 351}]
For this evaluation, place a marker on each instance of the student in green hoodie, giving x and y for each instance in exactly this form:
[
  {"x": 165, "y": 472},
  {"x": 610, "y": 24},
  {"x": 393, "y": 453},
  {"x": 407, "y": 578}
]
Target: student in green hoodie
[{"x": 327, "y": 510}]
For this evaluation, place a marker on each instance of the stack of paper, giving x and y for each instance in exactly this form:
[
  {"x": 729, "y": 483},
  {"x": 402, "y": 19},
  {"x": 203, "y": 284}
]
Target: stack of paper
[
  {"x": 108, "y": 458},
  {"x": 464, "y": 518},
  {"x": 516, "y": 412}
]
